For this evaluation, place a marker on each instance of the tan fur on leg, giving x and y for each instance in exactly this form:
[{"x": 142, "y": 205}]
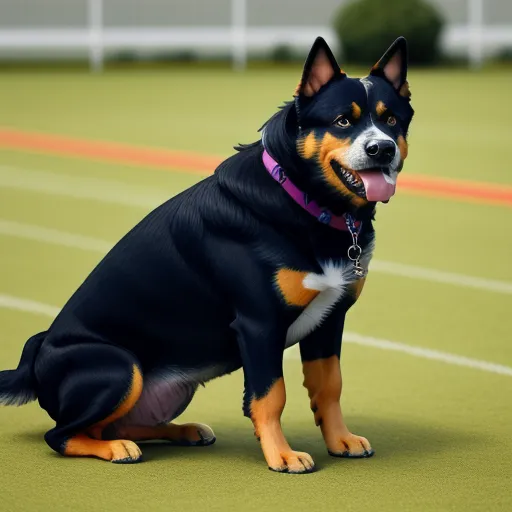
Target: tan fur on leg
[
  {"x": 322, "y": 378},
  {"x": 266, "y": 416}
]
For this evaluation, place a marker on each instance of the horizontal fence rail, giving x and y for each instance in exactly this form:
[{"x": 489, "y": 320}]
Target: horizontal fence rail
[{"x": 474, "y": 39}]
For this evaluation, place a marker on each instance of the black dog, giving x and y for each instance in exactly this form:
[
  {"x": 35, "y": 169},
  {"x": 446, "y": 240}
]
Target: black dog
[{"x": 257, "y": 257}]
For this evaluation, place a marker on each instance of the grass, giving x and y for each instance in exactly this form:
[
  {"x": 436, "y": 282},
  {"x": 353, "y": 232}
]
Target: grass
[
  {"x": 441, "y": 432},
  {"x": 186, "y": 109}
]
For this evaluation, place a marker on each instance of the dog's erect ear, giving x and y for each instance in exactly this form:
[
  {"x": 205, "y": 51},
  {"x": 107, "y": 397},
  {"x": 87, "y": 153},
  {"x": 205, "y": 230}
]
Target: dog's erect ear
[
  {"x": 320, "y": 68},
  {"x": 393, "y": 65}
]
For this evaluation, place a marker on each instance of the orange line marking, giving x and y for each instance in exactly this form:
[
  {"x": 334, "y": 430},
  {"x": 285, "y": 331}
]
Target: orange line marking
[
  {"x": 110, "y": 151},
  {"x": 472, "y": 191},
  {"x": 203, "y": 165}
]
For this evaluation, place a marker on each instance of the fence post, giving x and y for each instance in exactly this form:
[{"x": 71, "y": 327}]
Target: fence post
[
  {"x": 475, "y": 43},
  {"x": 95, "y": 23},
  {"x": 238, "y": 30}
]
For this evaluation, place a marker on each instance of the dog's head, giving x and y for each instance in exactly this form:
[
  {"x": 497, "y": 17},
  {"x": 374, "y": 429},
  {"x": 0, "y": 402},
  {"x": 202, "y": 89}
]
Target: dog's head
[{"x": 351, "y": 134}]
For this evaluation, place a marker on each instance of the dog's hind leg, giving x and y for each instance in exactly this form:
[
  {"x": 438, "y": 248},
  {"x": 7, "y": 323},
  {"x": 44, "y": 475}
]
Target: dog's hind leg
[
  {"x": 188, "y": 434},
  {"x": 86, "y": 389},
  {"x": 163, "y": 400}
]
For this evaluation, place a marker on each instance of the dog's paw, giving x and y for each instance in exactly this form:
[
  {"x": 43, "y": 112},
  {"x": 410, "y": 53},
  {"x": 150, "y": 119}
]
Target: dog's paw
[
  {"x": 294, "y": 462},
  {"x": 351, "y": 446},
  {"x": 125, "y": 452},
  {"x": 192, "y": 434},
  {"x": 120, "y": 451}
]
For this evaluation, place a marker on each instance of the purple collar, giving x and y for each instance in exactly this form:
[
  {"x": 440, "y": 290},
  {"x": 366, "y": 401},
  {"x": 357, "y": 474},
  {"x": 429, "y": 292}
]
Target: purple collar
[{"x": 323, "y": 215}]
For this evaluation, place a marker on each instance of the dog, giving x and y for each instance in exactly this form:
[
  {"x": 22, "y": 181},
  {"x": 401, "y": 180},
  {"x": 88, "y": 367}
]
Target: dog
[{"x": 269, "y": 251}]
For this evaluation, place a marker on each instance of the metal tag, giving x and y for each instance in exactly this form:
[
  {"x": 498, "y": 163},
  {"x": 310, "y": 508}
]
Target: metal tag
[{"x": 358, "y": 270}]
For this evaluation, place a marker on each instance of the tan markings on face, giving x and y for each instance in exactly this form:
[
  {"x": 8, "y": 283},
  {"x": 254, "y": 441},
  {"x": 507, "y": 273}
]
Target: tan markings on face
[
  {"x": 290, "y": 284},
  {"x": 403, "y": 147},
  {"x": 308, "y": 146},
  {"x": 405, "y": 91},
  {"x": 332, "y": 148},
  {"x": 380, "y": 108},
  {"x": 356, "y": 110}
]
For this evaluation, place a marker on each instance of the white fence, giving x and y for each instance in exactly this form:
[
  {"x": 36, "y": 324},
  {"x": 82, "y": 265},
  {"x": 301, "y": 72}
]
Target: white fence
[{"x": 96, "y": 38}]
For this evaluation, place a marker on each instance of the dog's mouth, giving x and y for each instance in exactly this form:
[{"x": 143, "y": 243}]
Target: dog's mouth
[
  {"x": 350, "y": 179},
  {"x": 371, "y": 184}
]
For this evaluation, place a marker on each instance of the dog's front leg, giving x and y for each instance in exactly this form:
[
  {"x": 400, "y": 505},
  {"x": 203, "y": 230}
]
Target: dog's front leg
[
  {"x": 320, "y": 353},
  {"x": 266, "y": 415},
  {"x": 261, "y": 347}
]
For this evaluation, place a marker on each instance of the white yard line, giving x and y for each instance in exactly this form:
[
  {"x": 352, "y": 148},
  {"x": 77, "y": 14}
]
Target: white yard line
[
  {"x": 80, "y": 187},
  {"x": 424, "y": 353},
  {"x": 439, "y": 276},
  {"x": 29, "y": 306},
  {"x": 116, "y": 192},
  {"x": 53, "y": 236}
]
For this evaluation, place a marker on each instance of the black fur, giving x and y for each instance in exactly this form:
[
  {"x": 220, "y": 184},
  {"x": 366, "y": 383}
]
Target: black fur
[
  {"x": 192, "y": 286},
  {"x": 18, "y": 387}
]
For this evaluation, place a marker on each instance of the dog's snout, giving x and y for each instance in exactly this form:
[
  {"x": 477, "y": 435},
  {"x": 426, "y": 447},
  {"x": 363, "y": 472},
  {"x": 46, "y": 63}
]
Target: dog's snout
[
  {"x": 372, "y": 148},
  {"x": 382, "y": 151}
]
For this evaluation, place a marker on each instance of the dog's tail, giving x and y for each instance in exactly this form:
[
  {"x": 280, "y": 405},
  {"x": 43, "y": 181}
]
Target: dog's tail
[{"x": 17, "y": 387}]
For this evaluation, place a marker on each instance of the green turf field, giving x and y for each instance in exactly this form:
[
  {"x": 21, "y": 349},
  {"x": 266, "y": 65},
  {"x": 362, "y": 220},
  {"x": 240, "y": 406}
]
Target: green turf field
[{"x": 441, "y": 430}]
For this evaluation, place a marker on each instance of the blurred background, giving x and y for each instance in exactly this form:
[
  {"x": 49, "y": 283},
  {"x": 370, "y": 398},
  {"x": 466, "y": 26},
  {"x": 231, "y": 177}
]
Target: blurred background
[
  {"x": 110, "y": 107},
  {"x": 103, "y": 30}
]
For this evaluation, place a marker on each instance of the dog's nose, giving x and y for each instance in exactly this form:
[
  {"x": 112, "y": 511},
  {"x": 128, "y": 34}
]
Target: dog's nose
[{"x": 382, "y": 151}]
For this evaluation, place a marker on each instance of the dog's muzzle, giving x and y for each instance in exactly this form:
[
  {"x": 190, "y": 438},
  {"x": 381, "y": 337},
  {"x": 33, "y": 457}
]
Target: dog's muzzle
[{"x": 382, "y": 152}]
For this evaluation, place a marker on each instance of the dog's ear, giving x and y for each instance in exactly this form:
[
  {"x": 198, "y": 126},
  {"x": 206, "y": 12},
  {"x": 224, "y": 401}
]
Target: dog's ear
[
  {"x": 320, "y": 68},
  {"x": 393, "y": 66}
]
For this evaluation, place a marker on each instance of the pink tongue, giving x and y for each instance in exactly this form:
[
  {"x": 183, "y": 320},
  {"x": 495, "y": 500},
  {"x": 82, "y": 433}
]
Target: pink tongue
[{"x": 376, "y": 186}]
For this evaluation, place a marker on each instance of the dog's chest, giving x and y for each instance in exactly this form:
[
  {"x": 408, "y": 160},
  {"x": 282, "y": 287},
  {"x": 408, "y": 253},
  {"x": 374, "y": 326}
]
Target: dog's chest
[
  {"x": 321, "y": 292},
  {"x": 318, "y": 293}
]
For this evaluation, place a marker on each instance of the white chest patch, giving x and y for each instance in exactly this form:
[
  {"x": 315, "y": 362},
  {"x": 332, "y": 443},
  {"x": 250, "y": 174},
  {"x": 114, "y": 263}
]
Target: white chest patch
[{"x": 332, "y": 284}]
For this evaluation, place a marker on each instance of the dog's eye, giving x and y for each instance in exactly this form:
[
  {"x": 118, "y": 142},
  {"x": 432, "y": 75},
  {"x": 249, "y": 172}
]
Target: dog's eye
[
  {"x": 342, "y": 122},
  {"x": 391, "y": 121}
]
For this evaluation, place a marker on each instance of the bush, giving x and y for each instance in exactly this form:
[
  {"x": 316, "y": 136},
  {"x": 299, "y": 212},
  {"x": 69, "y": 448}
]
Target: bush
[
  {"x": 366, "y": 28},
  {"x": 283, "y": 53}
]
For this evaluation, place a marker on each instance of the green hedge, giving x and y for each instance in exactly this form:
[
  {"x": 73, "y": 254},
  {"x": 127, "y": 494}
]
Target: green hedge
[{"x": 366, "y": 28}]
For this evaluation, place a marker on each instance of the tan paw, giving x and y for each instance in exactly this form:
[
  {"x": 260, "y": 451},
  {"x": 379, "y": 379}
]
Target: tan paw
[
  {"x": 125, "y": 452},
  {"x": 120, "y": 451},
  {"x": 193, "y": 434},
  {"x": 352, "y": 446},
  {"x": 294, "y": 462}
]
